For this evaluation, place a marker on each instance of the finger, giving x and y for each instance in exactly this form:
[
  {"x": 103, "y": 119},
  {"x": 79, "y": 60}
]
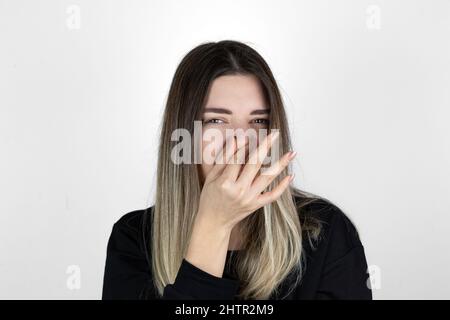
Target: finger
[
  {"x": 235, "y": 163},
  {"x": 270, "y": 196},
  {"x": 222, "y": 159},
  {"x": 256, "y": 159},
  {"x": 268, "y": 175}
]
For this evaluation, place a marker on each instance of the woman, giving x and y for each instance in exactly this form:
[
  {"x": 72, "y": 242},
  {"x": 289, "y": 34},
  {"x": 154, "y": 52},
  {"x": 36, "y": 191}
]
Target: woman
[{"x": 227, "y": 229}]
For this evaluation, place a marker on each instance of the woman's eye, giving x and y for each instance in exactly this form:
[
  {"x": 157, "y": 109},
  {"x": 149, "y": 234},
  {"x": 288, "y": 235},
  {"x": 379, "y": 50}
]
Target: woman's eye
[
  {"x": 262, "y": 121},
  {"x": 212, "y": 121},
  {"x": 217, "y": 121}
]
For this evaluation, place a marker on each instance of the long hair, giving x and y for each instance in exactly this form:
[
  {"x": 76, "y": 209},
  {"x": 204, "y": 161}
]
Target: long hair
[{"x": 273, "y": 234}]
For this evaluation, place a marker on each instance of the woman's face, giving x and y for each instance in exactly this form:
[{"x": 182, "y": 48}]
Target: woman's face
[{"x": 234, "y": 102}]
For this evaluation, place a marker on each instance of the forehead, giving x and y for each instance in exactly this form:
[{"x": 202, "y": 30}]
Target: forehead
[{"x": 239, "y": 93}]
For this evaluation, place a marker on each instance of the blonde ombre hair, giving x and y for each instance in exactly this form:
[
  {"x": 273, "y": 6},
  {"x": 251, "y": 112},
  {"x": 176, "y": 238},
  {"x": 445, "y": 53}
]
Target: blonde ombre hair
[{"x": 273, "y": 234}]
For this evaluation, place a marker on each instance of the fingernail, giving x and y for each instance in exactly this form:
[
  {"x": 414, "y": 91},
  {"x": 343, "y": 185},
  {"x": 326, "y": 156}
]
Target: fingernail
[
  {"x": 292, "y": 177},
  {"x": 292, "y": 155}
]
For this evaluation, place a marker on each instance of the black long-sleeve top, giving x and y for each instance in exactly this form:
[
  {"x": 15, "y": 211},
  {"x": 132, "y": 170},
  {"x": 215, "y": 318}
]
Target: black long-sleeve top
[{"x": 335, "y": 269}]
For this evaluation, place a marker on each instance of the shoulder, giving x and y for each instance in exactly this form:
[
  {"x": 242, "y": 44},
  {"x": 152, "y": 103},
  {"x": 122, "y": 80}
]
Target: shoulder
[
  {"x": 127, "y": 273},
  {"x": 336, "y": 231},
  {"x": 336, "y": 266},
  {"x": 131, "y": 229},
  {"x": 132, "y": 220}
]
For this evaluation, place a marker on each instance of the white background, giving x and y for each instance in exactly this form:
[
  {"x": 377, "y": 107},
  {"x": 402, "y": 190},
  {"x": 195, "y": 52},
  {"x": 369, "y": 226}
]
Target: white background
[{"x": 367, "y": 97}]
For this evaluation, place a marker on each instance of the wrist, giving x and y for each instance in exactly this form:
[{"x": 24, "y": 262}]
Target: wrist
[
  {"x": 207, "y": 246},
  {"x": 212, "y": 224}
]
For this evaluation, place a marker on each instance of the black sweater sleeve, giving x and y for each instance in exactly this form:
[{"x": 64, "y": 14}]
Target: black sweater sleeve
[
  {"x": 194, "y": 283},
  {"x": 128, "y": 274}
]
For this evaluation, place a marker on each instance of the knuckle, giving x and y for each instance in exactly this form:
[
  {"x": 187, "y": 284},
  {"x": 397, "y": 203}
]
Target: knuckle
[
  {"x": 245, "y": 202},
  {"x": 240, "y": 192},
  {"x": 224, "y": 184}
]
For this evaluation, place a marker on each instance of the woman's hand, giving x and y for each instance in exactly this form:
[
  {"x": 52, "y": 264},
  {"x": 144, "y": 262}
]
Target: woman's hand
[{"x": 230, "y": 193}]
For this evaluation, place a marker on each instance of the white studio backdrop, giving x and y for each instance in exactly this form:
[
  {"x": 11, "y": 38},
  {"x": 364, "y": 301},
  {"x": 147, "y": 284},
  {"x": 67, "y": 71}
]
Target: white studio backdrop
[{"x": 82, "y": 90}]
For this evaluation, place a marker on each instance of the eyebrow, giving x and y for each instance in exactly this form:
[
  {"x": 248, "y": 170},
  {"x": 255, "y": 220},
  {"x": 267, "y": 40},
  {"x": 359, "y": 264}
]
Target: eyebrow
[{"x": 227, "y": 111}]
